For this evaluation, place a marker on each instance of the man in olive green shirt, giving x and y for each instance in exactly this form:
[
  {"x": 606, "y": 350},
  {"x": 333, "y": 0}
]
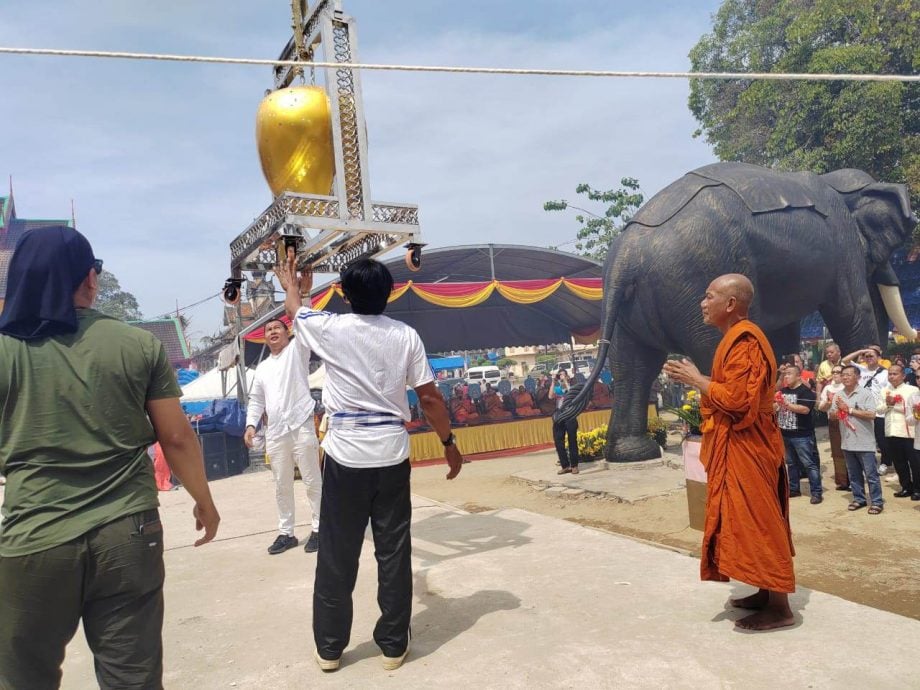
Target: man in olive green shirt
[{"x": 82, "y": 396}]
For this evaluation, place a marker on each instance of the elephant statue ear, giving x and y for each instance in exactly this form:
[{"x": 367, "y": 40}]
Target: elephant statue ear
[
  {"x": 847, "y": 180},
  {"x": 894, "y": 194}
]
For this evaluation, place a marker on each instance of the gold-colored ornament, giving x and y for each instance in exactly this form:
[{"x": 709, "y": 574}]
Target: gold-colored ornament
[{"x": 294, "y": 137}]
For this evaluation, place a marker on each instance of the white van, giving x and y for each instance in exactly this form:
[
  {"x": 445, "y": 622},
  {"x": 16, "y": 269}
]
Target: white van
[{"x": 483, "y": 375}]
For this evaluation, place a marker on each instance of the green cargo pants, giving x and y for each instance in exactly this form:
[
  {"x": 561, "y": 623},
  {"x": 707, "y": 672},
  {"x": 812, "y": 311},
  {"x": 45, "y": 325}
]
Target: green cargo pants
[{"x": 112, "y": 578}]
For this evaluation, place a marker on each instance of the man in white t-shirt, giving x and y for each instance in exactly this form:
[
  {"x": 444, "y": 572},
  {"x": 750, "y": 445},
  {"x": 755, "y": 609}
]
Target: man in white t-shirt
[
  {"x": 370, "y": 360},
  {"x": 873, "y": 376},
  {"x": 281, "y": 391}
]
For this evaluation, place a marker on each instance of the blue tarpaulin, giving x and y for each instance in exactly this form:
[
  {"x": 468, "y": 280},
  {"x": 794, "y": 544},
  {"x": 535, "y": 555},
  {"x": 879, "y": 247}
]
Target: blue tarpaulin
[{"x": 443, "y": 363}]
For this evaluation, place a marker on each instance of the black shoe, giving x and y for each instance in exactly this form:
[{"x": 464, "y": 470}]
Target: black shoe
[
  {"x": 794, "y": 494},
  {"x": 282, "y": 543},
  {"x": 312, "y": 545},
  {"x": 902, "y": 494},
  {"x": 842, "y": 488},
  {"x": 815, "y": 500},
  {"x": 915, "y": 497}
]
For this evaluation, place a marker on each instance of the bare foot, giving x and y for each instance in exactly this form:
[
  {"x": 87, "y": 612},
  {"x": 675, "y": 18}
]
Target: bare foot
[
  {"x": 766, "y": 619},
  {"x": 755, "y": 601}
]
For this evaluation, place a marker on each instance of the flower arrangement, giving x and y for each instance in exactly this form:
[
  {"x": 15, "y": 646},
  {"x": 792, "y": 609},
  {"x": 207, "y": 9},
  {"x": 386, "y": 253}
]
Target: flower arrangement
[
  {"x": 689, "y": 413},
  {"x": 592, "y": 445},
  {"x": 658, "y": 430}
]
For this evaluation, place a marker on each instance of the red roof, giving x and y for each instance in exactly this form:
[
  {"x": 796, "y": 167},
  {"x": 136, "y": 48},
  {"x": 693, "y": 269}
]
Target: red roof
[{"x": 169, "y": 332}]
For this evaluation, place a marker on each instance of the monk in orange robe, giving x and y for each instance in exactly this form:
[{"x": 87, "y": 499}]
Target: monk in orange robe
[
  {"x": 461, "y": 407},
  {"x": 746, "y": 534},
  {"x": 523, "y": 403},
  {"x": 493, "y": 404}
]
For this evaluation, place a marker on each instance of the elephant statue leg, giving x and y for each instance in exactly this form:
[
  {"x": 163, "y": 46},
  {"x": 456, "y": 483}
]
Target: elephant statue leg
[
  {"x": 627, "y": 434},
  {"x": 785, "y": 340},
  {"x": 851, "y": 328}
]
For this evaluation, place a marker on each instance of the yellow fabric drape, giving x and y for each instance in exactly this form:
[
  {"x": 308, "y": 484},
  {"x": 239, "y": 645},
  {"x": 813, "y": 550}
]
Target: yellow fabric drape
[
  {"x": 589, "y": 293},
  {"x": 487, "y": 438},
  {"x": 526, "y": 296},
  {"x": 324, "y": 298},
  {"x": 468, "y": 300},
  {"x": 399, "y": 292}
]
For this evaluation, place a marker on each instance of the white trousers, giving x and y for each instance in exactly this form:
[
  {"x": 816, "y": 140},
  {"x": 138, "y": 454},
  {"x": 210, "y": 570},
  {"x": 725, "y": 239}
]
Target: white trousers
[{"x": 300, "y": 446}]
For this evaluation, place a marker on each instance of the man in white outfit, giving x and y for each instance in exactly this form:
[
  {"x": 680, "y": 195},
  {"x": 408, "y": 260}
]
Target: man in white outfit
[
  {"x": 281, "y": 390},
  {"x": 370, "y": 360}
]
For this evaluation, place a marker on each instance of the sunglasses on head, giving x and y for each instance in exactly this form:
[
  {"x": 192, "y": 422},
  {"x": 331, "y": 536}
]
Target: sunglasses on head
[
  {"x": 837, "y": 371},
  {"x": 97, "y": 266}
]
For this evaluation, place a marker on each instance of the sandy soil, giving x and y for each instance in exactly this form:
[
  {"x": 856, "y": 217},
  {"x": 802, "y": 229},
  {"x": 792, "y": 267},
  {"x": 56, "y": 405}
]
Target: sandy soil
[{"x": 872, "y": 560}]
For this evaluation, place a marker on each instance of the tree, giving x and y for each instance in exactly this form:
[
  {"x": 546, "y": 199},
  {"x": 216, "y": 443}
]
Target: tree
[
  {"x": 817, "y": 126},
  {"x": 597, "y": 230},
  {"x": 114, "y": 301}
]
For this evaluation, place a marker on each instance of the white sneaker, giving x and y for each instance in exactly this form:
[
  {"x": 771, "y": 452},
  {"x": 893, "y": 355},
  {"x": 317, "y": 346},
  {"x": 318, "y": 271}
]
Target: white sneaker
[
  {"x": 883, "y": 469},
  {"x": 326, "y": 664},
  {"x": 391, "y": 663}
]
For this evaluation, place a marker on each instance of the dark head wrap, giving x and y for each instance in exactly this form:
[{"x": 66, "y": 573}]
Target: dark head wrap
[{"x": 48, "y": 265}]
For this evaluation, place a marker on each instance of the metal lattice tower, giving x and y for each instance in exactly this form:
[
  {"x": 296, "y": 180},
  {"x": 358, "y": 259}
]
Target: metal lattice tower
[{"x": 330, "y": 231}]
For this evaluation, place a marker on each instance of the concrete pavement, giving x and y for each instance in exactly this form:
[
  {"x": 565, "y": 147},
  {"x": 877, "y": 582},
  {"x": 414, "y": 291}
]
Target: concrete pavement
[{"x": 505, "y": 599}]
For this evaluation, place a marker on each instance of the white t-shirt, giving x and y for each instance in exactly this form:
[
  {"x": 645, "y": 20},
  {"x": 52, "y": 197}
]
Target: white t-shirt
[
  {"x": 878, "y": 379},
  {"x": 369, "y": 362},
  {"x": 281, "y": 389}
]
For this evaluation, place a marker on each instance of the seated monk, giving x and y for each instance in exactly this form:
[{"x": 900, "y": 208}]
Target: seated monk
[
  {"x": 600, "y": 395},
  {"x": 545, "y": 404},
  {"x": 523, "y": 403},
  {"x": 493, "y": 404},
  {"x": 462, "y": 408}
]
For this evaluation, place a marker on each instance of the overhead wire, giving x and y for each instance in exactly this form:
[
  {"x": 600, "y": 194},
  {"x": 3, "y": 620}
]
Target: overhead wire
[{"x": 165, "y": 57}]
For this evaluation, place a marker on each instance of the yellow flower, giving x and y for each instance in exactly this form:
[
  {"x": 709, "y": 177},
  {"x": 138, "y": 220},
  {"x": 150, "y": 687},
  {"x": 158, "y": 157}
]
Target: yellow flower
[
  {"x": 686, "y": 408},
  {"x": 691, "y": 394}
]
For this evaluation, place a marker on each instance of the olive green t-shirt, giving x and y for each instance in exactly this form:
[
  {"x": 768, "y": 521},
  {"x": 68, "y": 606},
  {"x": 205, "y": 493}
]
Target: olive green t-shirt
[{"x": 74, "y": 430}]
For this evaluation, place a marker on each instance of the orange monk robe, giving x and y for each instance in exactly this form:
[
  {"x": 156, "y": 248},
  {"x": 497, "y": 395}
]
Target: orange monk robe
[
  {"x": 746, "y": 535},
  {"x": 462, "y": 410},
  {"x": 493, "y": 403},
  {"x": 523, "y": 404}
]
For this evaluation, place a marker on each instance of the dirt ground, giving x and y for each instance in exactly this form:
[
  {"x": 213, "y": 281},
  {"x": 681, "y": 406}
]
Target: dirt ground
[{"x": 872, "y": 560}]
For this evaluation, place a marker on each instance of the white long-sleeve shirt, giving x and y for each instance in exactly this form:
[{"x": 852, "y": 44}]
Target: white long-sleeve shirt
[
  {"x": 898, "y": 417},
  {"x": 281, "y": 389}
]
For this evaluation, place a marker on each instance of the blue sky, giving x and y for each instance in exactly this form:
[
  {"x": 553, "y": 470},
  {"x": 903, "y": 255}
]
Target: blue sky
[{"x": 160, "y": 158}]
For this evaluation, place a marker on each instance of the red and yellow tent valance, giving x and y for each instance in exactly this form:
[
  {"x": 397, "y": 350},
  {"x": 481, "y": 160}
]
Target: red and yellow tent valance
[{"x": 460, "y": 295}]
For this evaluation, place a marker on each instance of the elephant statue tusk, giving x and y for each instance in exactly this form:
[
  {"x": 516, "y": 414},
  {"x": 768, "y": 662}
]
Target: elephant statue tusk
[{"x": 891, "y": 298}]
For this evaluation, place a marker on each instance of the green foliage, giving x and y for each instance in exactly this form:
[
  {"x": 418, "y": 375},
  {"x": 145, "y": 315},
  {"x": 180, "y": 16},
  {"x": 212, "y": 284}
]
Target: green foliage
[
  {"x": 597, "y": 231},
  {"x": 505, "y": 362},
  {"x": 113, "y": 301},
  {"x": 817, "y": 126},
  {"x": 658, "y": 430},
  {"x": 546, "y": 359}
]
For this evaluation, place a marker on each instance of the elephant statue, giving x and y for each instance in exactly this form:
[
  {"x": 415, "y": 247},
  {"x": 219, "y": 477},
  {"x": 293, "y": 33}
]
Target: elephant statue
[{"x": 805, "y": 241}]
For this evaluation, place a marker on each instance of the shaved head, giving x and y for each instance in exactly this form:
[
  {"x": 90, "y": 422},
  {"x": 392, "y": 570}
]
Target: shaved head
[
  {"x": 728, "y": 299},
  {"x": 737, "y": 286}
]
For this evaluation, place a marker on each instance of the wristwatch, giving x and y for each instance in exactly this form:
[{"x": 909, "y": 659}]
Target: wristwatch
[{"x": 450, "y": 440}]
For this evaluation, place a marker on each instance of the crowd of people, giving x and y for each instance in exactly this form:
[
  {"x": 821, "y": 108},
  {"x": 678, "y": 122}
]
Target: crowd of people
[
  {"x": 523, "y": 401},
  {"x": 872, "y": 405}
]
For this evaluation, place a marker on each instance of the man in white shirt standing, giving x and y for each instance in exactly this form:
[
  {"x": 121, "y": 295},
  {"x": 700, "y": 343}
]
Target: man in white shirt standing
[
  {"x": 370, "y": 360},
  {"x": 281, "y": 390},
  {"x": 874, "y": 377},
  {"x": 899, "y": 427}
]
